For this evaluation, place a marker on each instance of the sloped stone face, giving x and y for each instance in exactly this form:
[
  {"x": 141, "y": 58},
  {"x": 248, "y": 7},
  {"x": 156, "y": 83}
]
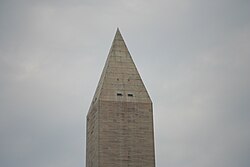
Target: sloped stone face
[
  {"x": 120, "y": 75},
  {"x": 120, "y": 118}
]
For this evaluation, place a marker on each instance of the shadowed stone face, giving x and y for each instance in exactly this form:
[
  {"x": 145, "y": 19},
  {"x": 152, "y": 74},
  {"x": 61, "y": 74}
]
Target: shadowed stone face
[{"x": 120, "y": 118}]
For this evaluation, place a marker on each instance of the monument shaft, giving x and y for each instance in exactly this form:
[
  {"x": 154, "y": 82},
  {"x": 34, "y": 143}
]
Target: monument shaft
[{"x": 120, "y": 119}]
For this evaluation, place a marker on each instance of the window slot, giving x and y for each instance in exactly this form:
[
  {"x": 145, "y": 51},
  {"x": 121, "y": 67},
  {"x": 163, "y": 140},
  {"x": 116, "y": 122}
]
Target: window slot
[
  {"x": 130, "y": 94},
  {"x": 119, "y": 94}
]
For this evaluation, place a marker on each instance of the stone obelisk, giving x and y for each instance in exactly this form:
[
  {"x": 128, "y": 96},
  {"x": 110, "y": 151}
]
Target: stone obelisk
[{"x": 120, "y": 129}]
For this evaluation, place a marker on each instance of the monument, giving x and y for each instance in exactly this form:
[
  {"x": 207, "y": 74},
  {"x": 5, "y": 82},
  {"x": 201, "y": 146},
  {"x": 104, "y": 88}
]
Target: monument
[{"x": 120, "y": 118}]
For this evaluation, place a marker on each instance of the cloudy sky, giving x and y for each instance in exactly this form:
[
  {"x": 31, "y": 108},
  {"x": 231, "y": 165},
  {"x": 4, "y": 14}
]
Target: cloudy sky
[{"x": 193, "y": 55}]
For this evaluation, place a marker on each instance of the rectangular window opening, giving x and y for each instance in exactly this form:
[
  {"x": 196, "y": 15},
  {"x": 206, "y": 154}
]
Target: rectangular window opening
[
  {"x": 119, "y": 94},
  {"x": 130, "y": 94}
]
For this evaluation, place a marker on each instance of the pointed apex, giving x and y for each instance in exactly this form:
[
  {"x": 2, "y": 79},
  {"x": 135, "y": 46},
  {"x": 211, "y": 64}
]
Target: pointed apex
[
  {"x": 118, "y": 31},
  {"x": 118, "y": 43},
  {"x": 120, "y": 80},
  {"x": 118, "y": 35}
]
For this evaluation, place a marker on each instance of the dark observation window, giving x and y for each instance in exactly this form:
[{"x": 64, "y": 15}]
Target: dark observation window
[
  {"x": 131, "y": 95},
  {"x": 119, "y": 94}
]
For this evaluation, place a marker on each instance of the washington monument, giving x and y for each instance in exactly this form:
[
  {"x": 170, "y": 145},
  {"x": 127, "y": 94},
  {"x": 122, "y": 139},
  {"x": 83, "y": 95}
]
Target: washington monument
[{"x": 120, "y": 129}]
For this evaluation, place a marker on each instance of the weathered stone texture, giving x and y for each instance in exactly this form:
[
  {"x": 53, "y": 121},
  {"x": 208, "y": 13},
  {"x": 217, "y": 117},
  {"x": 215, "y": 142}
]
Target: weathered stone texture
[
  {"x": 125, "y": 134},
  {"x": 120, "y": 119}
]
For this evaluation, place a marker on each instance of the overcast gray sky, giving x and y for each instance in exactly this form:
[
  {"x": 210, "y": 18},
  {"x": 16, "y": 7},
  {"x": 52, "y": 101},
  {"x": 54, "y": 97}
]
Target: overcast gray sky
[{"x": 194, "y": 58}]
